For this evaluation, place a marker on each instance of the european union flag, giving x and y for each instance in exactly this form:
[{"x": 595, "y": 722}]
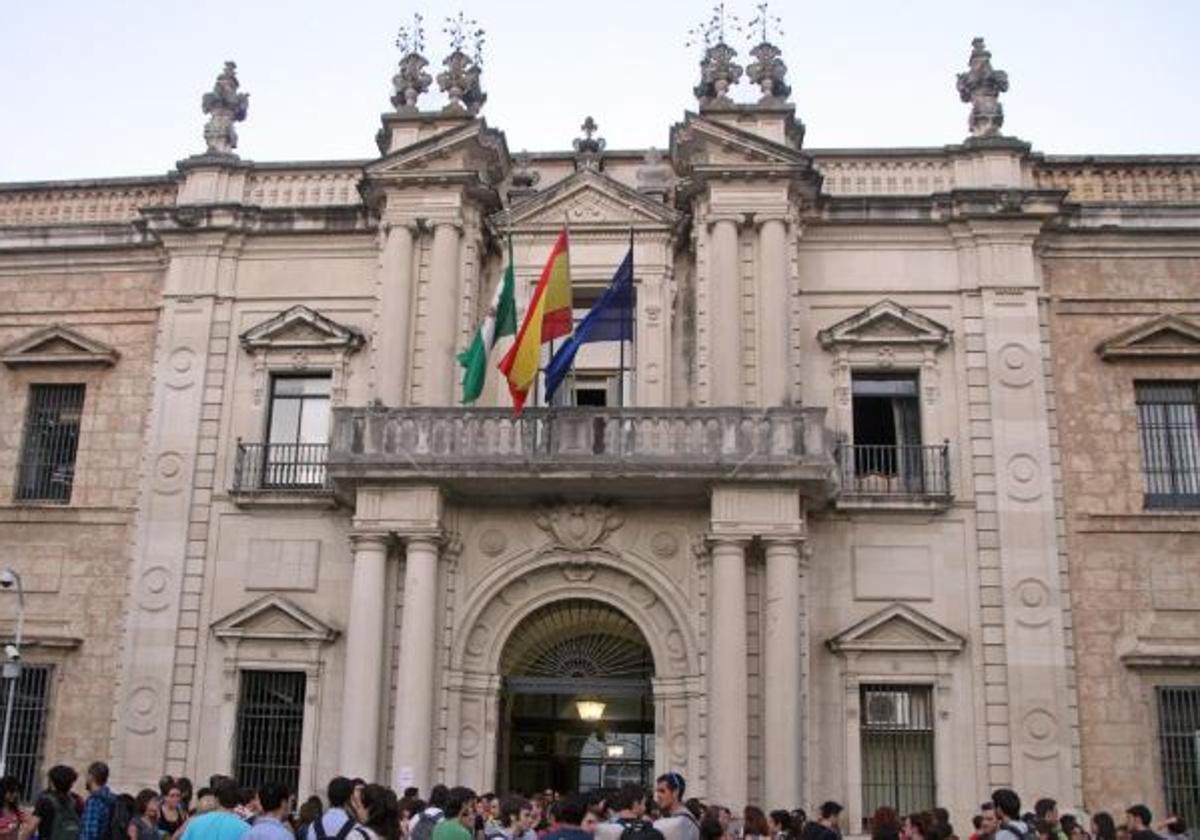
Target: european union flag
[{"x": 611, "y": 319}]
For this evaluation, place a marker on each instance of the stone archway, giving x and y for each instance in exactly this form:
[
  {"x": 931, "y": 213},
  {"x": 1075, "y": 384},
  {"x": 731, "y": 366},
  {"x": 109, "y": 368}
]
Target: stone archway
[{"x": 510, "y": 594}]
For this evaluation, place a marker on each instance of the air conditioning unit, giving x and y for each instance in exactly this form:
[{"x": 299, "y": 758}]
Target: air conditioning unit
[{"x": 888, "y": 709}]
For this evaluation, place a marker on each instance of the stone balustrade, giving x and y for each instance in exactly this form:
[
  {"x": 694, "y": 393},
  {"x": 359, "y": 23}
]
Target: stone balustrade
[
  {"x": 878, "y": 175},
  {"x": 23, "y": 205},
  {"x": 736, "y": 444},
  {"x": 303, "y": 187},
  {"x": 1171, "y": 179}
]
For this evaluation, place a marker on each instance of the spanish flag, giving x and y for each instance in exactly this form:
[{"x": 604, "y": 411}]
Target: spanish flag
[{"x": 549, "y": 317}]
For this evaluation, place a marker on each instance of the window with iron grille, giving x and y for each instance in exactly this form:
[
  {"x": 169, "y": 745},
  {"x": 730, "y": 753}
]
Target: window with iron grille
[
  {"x": 1169, "y": 423},
  {"x": 28, "y": 735},
  {"x": 1179, "y": 747},
  {"x": 270, "y": 727},
  {"x": 47, "y": 467},
  {"x": 896, "y": 732}
]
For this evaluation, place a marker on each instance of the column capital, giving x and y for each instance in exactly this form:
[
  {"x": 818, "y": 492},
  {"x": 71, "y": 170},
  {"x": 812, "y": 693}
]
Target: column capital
[
  {"x": 370, "y": 539},
  {"x": 433, "y": 536},
  {"x": 739, "y": 220}
]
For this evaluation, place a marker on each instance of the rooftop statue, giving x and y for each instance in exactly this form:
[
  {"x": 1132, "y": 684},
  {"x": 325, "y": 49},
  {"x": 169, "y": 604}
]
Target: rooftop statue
[
  {"x": 412, "y": 80},
  {"x": 718, "y": 70},
  {"x": 225, "y": 106},
  {"x": 982, "y": 86},
  {"x": 768, "y": 70},
  {"x": 460, "y": 81}
]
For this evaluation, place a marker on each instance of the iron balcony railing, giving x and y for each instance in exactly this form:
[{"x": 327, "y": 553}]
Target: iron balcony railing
[
  {"x": 280, "y": 467},
  {"x": 896, "y": 471},
  {"x": 783, "y": 443}
]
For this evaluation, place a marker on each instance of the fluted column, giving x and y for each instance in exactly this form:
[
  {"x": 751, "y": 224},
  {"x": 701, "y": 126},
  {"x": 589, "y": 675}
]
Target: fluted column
[
  {"x": 725, "y": 315},
  {"x": 728, "y": 712},
  {"x": 781, "y": 669},
  {"x": 440, "y": 373},
  {"x": 412, "y": 752},
  {"x": 774, "y": 308},
  {"x": 362, "y": 691},
  {"x": 393, "y": 339}
]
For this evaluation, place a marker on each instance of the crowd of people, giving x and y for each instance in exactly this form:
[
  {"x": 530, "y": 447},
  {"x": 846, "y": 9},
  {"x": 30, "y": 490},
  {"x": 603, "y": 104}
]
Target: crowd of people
[{"x": 358, "y": 810}]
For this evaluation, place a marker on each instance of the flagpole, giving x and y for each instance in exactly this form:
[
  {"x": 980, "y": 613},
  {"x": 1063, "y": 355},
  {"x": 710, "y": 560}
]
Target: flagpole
[{"x": 625, "y": 318}]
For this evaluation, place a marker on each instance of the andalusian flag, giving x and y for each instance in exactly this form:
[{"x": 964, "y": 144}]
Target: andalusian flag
[
  {"x": 501, "y": 320},
  {"x": 548, "y": 317}
]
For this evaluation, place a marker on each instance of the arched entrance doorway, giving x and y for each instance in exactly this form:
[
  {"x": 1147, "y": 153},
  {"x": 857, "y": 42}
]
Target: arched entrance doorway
[{"x": 576, "y": 706}]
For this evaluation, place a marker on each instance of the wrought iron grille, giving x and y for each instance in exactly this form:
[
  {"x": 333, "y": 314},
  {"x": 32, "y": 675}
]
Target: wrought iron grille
[
  {"x": 895, "y": 470},
  {"x": 896, "y": 730},
  {"x": 1179, "y": 745},
  {"x": 47, "y": 467},
  {"x": 28, "y": 736},
  {"x": 270, "y": 727},
  {"x": 280, "y": 466},
  {"x": 1170, "y": 429}
]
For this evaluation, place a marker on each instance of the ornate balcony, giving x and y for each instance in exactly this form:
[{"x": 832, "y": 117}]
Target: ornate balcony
[
  {"x": 650, "y": 451},
  {"x": 894, "y": 476}
]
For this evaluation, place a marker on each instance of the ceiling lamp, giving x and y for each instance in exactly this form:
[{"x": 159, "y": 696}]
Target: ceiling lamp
[
  {"x": 615, "y": 750},
  {"x": 591, "y": 710}
]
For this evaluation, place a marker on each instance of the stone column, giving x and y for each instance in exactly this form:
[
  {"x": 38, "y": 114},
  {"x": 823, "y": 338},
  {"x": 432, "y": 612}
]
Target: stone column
[
  {"x": 393, "y": 339},
  {"x": 725, "y": 314},
  {"x": 412, "y": 752},
  {"x": 775, "y": 361},
  {"x": 440, "y": 373},
  {"x": 781, "y": 668},
  {"x": 728, "y": 712},
  {"x": 362, "y": 690}
]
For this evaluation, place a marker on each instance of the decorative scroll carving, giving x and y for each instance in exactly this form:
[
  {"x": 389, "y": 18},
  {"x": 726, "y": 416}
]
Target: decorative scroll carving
[
  {"x": 579, "y": 526},
  {"x": 225, "y": 106}
]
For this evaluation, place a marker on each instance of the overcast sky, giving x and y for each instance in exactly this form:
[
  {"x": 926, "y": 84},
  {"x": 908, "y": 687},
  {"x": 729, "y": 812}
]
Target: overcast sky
[{"x": 96, "y": 88}]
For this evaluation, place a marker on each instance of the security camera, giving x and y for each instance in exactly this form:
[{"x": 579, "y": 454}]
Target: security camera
[
  {"x": 8, "y": 578},
  {"x": 12, "y": 653}
]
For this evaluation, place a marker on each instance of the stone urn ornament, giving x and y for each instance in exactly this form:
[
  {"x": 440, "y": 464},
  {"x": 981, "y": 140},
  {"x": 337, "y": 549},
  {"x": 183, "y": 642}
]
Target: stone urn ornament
[
  {"x": 225, "y": 106},
  {"x": 412, "y": 80},
  {"x": 982, "y": 85},
  {"x": 460, "y": 81},
  {"x": 768, "y": 70},
  {"x": 718, "y": 70}
]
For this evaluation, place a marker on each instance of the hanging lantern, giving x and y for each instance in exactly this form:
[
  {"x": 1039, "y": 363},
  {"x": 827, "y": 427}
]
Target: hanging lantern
[{"x": 590, "y": 710}]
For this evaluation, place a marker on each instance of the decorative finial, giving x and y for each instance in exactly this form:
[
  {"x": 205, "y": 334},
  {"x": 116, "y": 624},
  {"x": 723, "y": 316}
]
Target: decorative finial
[
  {"x": 225, "y": 106},
  {"x": 718, "y": 71},
  {"x": 461, "y": 79},
  {"x": 768, "y": 70},
  {"x": 524, "y": 179},
  {"x": 412, "y": 80},
  {"x": 588, "y": 148},
  {"x": 982, "y": 86}
]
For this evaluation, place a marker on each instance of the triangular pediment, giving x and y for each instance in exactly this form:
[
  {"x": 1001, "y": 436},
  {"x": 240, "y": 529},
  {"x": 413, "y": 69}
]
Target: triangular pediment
[
  {"x": 469, "y": 148},
  {"x": 57, "y": 345},
  {"x": 301, "y": 328},
  {"x": 700, "y": 142},
  {"x": 587, "y": 198},
  {"x": 886, "y": 322},
  {"x": 1164, "y": 337},
  {"x": 273, "y": 618},
  {"x": 897, "y": 629}
]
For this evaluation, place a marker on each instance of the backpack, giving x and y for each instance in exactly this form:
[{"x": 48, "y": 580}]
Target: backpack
[
  {"x": 343, "y": 832},
  {"x": 120, "y": 815},
  {"x": 1027, "y": 834},
  {"x": 423, "y": 830},
  {"x": 66, "y": 820},
  {"x": 640, "y": 830}
]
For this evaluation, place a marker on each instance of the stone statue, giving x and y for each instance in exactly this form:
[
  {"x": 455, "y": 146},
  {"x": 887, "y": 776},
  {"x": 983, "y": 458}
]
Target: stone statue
[
  {"x": 461, "y": 79},
  {"x": 412, "y": 80},
  {"x": 225, "y": 107},
  {"x": 982, "y": 86},
  {"x": 588, "y": 148},
  {"x": 768, "y": 70},
  {"x": 718, "y": 70}
]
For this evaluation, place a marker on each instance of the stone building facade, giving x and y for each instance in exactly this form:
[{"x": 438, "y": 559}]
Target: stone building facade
[{"x": 813, "y": 544}]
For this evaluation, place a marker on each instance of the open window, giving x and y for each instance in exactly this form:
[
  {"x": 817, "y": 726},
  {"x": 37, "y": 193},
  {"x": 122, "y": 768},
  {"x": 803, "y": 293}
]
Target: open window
[{"x": 888, "y": 455}]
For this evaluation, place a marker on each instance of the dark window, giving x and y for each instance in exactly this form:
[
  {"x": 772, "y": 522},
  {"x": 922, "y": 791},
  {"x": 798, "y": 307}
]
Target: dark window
[
  {"x": 47, "y": 467},
  {"x": 270, "y": 728},
  {"x": 1178, "y": 739},
  {"x": 297, "y": 432},
  {"x": 887, "y": 452},
  {"x": 1170, "y": 430},
  {"x": 896, "y": 731},
  {"x": 28, "y": 735}
]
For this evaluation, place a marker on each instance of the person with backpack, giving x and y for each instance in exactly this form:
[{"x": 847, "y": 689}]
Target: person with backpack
[
  {"x": 421, "y": 826},
  {"x": 1008, "y": 813},
  {"x": 144, "y": 825},
  {"x": 337, "y": 822},
  {"x": 56, "y": 813},
  {"x": 515, "y": 820},
  {"x": 675, "y": 821},
  {"x": 97, "y": 810},
  {"x": 630, "y": 822}
]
